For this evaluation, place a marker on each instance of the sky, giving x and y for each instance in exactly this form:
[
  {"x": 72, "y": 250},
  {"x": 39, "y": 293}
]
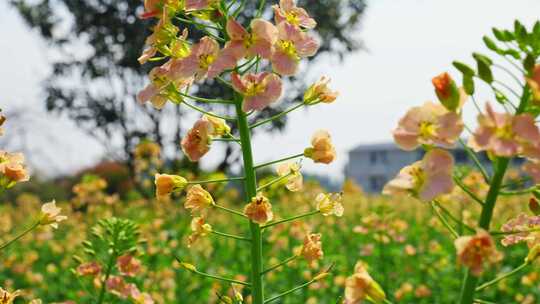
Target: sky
[{"x": 407, "y": 43}]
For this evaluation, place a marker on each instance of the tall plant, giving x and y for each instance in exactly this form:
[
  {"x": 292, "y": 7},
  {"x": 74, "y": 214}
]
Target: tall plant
[
  {"x": 249, "y": 58},
  {"x": 504, "y": 136}
]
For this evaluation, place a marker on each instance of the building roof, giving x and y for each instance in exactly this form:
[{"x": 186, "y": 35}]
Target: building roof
[{"x": 375, "y": 146}]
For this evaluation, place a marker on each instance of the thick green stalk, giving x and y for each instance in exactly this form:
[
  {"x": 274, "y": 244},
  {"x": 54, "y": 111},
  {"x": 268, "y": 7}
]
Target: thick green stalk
[
  {"x": 250, "y": 184},
  {"x": 470, "y": 281}
]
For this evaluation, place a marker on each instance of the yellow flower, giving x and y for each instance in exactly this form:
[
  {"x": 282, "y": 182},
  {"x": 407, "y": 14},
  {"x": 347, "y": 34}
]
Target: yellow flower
[
  {"x": 166, "y": 184},
  {"x": 199, "y": 228},
  {"x": 12, "y": 169},
  {"x": 361, "y": 286},
  {"x": 322, "y": 150},
  {"x": 312, "y": 248},
  {"x": 198, "y": 199},
  {"x": 50, "y": 215},
  {"x": 319, "y": 92},
  {"x": 259, "y": 210},
  {"x": 7, "y": 297},
  {"x": 294, "y": 179},
  {"x": 330, "y": 204},
  {"x": 220, "y": 126}
]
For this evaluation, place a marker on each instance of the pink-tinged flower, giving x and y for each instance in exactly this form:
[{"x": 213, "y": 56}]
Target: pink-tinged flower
[
  {"x": 534, "y": 84},
  {"x": 50, "y": 215},
  {"x": 259, "y": 210},
  {"x": 199, "y": 228},
  {"x": 197, "y": 141},
  {"x": 475, "y": 251},
  {"x": 259, "y": 90},
  {"x": 320, "y": 92},
  {"x": 8, "y": 297},
  {"x": 128, "y": 265},
  {"x": 198, "y": 199},
  {"x": 504, "y": 134},
  {"x": 430, "y": 124},
  {"x": 166, "y": 184},
  {"x": 117, "y": 286},
  {"x": 139, "y": 297},
  {"x": 532, "y": 168},
  {"x": 291, "y": 171},
  {"x": 260, "y": 41},
  {"x": 360, "y": 287},
  {"x": 523, "y": 228},
  {"x": 312, "y": 248},
  {"x": 12, "y": 169},
  {"x": 322, "y": 150},
  {"x": 287, "y": 11},
  {"x": 330, "y": 204},
  {"x": 450, "y": 96},
  {"x": 425, "y": 179},
  {"x": 292, "y": 45},
  {"x": 157, "y": 91},
  {"x": 198, "y": 62},
  {"x": 89, "y": 269}
]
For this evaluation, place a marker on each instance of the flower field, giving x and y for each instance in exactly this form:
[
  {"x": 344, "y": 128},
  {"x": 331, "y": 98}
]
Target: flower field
[{"x": 401, "y": 240}]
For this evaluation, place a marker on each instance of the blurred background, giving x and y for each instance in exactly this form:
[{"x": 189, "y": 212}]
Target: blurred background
[{"x": 69, "y": 76}]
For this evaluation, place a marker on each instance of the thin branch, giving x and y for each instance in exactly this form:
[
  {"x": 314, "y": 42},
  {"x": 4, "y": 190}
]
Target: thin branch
[
  {"x": 502, "y": 277},
  {"x": 277, "y": 116},
  {"x": 229, "y": 210},
  {"x": 468, "y": 191},
  {"x": 290, "y": 219},
  {"x": 192, "y": 269},
  {"x": 231, "y": 236},
  {"x": 444, "y": 221},
  {"x": 278, "y": 161},
  {"x": 274, "y": 181},
  {"x": 213, "y": 181},
  {"x": 285, "y": 262}
]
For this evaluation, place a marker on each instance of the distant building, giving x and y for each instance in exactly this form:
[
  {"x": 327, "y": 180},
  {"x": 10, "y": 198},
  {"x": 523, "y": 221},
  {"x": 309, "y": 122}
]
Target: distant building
[{"x": 373, "y": 165}]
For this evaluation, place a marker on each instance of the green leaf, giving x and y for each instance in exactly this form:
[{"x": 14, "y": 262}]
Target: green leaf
[
  {"x": 503, "y": 35},
  {"x": 529, "y": 63},
  {"x": 490, "y": 44},
  {"x": 468, "y": 84},
  {"x": 511, "y": 52},
  {"x": 463, "y": 68},
  {"x": 484, "y": 67}
]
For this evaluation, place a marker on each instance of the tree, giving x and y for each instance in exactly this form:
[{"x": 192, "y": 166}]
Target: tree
[{"x": 96, "y": 75}]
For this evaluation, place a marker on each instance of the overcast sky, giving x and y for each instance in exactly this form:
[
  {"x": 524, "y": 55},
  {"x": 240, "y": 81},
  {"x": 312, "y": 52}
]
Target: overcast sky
[{"x": 407, "y": 43}]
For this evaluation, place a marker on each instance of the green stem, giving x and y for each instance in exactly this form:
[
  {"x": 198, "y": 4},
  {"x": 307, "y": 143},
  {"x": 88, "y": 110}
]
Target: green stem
[
  {"x": 290, "y": 219},
  {"x": 281, "y": 295},
  {"x": 229, "y": 210},
  {"x": 471, "y": 194},
  {"x": 231, "y": 236},
  {"x": 212, "y": 181},
  {"x": 470, "y": 281},
  {"x": 226, "y": 139},
  {"x": 453, "y": 218},
  {"x": 519, "y": 192},
  {"x": 250, "y": 184},
  {"x": 25, "y": 232},
  {"x": 444, "y": 221},
  {"x": 276, "y": 180},
  {"x": 206, "y": 112},
  {"x": 496, "y": 233},
  {"x": 502, "y": 277},
  {"x": 476, "y": 161},
  {"x": 215, "y": 277},
  {"x": 206, "y": 100},
  {"x": 277, "y": 116},
  {"x": 285, "y": 262},
  {"x": 278, "y": 161},
  {"x": 110, "y": 265}
]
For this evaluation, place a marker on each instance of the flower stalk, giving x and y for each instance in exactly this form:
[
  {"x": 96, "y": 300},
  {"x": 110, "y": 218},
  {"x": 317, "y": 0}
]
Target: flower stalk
[{"x": 20, "y": 235}]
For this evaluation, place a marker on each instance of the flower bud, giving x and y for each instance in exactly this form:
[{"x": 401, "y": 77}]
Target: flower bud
[
  {"x": 319, "y": 92},
  {"x": 188, "y": 266},
  {"x": 447, "y": 91},
  {"x": 220, "y": 126},
  {"x": 166, "y": 184}
]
